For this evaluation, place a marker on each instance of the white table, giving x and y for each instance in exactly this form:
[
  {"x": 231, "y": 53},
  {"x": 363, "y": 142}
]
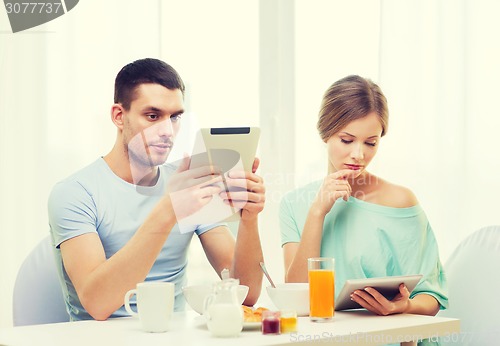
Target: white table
[{"x": 188, "y": 328}]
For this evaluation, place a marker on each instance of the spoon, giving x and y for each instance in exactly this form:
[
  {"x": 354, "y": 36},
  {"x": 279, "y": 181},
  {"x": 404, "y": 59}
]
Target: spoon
[{"x": 263, "y": 266}]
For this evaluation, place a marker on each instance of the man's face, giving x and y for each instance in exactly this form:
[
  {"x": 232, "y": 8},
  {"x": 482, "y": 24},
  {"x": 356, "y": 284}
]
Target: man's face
[{"x": 151, "y": 124}]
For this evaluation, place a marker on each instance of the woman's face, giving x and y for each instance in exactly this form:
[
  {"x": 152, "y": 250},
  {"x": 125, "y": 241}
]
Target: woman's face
[{"x": 354, "y": 146}]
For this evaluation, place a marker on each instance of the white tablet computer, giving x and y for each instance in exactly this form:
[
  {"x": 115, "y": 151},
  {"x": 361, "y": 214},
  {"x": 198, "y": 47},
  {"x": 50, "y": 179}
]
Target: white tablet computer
[
  {"x": 388, "y": 286},
  {"x": 228, "y": 148}
]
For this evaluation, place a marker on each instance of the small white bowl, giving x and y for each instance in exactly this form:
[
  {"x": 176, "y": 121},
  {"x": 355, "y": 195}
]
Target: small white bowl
[
  {"x": 291, "y": 296},
  {"x": 195, "y": 295}
]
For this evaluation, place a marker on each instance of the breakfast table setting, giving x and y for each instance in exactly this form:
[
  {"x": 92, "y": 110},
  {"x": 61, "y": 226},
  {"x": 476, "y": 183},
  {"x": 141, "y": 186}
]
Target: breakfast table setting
[
  {"x": 288, "y": 313},
  {"x": 189, "y": 328}
]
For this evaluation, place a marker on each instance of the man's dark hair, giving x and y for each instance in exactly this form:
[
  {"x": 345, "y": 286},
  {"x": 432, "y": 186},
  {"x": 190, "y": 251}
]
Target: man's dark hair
[{"x": 144, "y": 71}]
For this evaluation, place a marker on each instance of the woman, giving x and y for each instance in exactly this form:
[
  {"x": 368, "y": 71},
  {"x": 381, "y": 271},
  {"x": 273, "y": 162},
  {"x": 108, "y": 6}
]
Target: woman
[{"x": 370, "y": 226}]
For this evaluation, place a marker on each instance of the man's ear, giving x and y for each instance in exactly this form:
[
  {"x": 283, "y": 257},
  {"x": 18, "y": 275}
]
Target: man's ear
[{"x": 117, "y": 113}]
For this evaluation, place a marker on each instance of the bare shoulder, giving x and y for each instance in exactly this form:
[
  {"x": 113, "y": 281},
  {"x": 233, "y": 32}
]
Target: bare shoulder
[{"x": 397, "y": 196}]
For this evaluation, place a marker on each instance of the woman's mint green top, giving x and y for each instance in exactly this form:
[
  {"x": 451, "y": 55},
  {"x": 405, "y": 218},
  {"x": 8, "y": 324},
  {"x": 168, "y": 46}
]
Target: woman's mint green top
[{"x": 369, "y": 240}]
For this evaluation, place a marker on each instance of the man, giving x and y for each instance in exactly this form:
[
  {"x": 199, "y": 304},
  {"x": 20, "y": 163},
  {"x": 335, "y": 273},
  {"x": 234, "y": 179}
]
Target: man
[{"x": 113, "y": 222}]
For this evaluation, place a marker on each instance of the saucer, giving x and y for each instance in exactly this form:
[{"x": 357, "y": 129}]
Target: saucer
[
  {"x": 201, "y": 320},
  {"x": 251, "y": 325}
]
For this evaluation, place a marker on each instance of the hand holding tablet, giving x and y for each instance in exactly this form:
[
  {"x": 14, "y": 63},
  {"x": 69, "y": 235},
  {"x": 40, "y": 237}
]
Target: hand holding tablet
[
  {"x": 387, "y": 286},
  {"x": 230, "y": 153}
]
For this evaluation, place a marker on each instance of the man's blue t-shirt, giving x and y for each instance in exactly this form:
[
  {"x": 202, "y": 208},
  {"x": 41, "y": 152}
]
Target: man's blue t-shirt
[{"x": 95, "y": 200}]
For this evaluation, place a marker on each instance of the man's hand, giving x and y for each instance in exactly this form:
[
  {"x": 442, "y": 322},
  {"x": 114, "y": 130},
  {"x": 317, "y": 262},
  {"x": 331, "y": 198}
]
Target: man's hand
[
  {"x": 245, "y": 191},
  {"x": 191, "y": 189}
]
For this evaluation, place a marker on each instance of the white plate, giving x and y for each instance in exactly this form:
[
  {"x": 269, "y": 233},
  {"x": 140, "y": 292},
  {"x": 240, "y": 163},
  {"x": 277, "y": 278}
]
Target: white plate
[
  {"x": 251, "y": 325},
  {"x": 246, "y": 325}
]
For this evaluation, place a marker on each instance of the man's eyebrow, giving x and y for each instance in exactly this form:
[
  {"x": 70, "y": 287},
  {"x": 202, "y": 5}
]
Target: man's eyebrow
[
  {"x": 347, "y": 133},
  {"x": 151, "y": 108},
  {"x": 158, "y": 110},
  {"x": 179, "y": 112}
]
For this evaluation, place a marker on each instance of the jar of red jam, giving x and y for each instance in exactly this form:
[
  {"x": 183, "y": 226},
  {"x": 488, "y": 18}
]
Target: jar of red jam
[{"x": 270, "y": 322}]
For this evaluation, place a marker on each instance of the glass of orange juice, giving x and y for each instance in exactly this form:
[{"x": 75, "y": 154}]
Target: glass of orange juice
[{"x": 321, "y": 272}]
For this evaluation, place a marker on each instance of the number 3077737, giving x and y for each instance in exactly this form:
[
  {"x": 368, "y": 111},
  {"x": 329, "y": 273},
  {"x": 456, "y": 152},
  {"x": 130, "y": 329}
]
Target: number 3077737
[{"x": 33, "y": 7}]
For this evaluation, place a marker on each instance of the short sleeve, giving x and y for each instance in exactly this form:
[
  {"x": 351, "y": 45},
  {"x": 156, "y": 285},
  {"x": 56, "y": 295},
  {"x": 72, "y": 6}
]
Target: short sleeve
[
  {"x": 434, "y": 281},
  {"x": 288, "y": 226},
  {"x": 72, "y": 212},
  {"x": 207, "y": 227}
]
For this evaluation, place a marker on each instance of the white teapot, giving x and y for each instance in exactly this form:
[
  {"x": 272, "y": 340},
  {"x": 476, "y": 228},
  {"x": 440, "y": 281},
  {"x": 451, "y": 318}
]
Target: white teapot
[{"x": 222, "y": 309}]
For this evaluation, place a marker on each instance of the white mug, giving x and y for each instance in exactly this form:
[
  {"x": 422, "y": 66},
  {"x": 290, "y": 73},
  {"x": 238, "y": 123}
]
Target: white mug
[{"x": 155, "y": 305}]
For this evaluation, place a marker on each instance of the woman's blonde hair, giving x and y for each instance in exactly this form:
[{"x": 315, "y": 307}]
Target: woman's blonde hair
[{"x": 348, "y": 99}]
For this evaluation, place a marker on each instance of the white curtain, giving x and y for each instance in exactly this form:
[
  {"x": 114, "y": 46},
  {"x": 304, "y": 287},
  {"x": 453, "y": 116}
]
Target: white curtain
[
  {"x": 56, "y": 90},
  {"x": 439, "y": 69}
]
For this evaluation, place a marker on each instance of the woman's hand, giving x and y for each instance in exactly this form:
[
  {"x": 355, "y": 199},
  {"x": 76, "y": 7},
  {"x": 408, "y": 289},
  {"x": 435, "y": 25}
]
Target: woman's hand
[
  {"x": 335, "y": 186},
  {"x": 372, "y": 300}
]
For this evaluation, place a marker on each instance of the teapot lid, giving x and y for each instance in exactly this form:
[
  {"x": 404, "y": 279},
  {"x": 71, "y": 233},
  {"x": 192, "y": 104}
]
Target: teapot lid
[{"x": 227, "y": 283}]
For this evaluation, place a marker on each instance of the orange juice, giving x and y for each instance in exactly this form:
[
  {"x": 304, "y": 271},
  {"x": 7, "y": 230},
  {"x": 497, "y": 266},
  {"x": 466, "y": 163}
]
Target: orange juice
[{"x": 321, "y": 293}]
